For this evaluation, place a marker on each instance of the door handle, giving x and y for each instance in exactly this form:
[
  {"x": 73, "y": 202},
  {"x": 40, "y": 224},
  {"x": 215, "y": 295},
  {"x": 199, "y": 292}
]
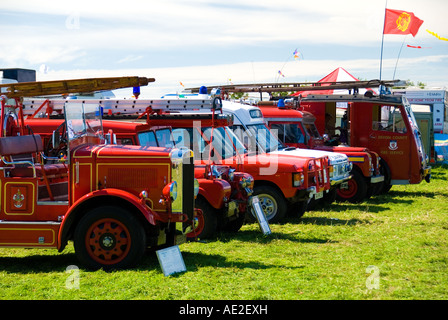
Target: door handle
[{"x": 372, "y": 136}]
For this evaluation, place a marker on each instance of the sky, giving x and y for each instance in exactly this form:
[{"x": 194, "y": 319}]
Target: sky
[{"x": 202, "y": 42}]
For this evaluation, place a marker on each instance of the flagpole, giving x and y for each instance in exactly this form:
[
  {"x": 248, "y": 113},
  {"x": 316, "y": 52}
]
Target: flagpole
[
  {"x": 381, "y": 58},
  {"x": 382, "y": 41}
]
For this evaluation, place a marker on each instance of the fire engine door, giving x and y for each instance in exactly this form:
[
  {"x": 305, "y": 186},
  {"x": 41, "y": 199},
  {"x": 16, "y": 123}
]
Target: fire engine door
[{"x": 391, "y": 138}]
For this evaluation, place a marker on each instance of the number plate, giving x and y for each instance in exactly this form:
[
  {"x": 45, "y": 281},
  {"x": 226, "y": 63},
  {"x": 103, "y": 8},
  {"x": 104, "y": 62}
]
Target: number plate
[{"x": 319, "y": 195}]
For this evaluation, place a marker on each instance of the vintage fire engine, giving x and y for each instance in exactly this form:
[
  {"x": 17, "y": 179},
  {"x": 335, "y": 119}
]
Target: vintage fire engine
[
  {"x": 112, "y": 201},
  {"x": 223, "y": 193},
  {"x": 382, "y": 123},
  {"x": 297, "y": 129}
]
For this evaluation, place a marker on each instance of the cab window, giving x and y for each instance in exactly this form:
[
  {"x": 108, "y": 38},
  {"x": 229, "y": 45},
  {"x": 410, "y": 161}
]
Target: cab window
[
  {"x": 125, "y": 141},
  {"x": 147, "y": 139},
  {"x": 288, "y": 132},
  {"x": 388, "y": 118},
  {"x": 164, "y": 138}
]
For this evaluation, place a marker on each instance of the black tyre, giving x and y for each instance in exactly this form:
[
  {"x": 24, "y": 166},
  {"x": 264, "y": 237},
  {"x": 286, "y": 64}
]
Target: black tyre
[
  {"x": 356, "y": 191},
  {"x": 109, "y": 237},
  {"x": 272, "y": 202},
  {"x": 330, "y": 196},
  {"x": 385, "y": 171},
  {"x": 205, "y": 222},
  {"x": 233, "y": 225},
  {"x": 298, "y": 209}
]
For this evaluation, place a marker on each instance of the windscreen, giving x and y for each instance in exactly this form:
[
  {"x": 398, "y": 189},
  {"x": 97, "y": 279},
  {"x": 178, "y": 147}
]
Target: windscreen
[
  {"x": 267, "y": 141},
  {"x": 84, "y": 123}
]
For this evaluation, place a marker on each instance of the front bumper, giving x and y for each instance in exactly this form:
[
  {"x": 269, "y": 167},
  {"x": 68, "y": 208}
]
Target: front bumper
[
  {"x": 377, "y": 179},
  {"x": 339, "y": 180}
]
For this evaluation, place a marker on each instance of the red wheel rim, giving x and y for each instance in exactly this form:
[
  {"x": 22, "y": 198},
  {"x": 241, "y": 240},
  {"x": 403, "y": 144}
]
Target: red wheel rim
[
  {"x": 350, "y": 191},
  {"x": 199, "y": 223},
  {"x": 108, "y": 241}
]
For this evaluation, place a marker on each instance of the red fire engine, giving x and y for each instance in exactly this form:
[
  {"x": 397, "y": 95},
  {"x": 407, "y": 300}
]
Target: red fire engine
[
  {"x": 112, "y": 201},
  {"x": 297, "y": 129},
  {"x": 382, "y": 123}
]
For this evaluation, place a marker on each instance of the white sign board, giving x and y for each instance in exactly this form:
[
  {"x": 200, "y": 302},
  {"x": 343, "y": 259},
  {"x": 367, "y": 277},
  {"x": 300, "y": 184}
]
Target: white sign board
[
  {"x": 171, "y": 260},
  {"x": 264, "y": 225}
]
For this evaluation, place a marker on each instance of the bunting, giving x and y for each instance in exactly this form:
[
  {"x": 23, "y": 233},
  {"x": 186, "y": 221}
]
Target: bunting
[
  {"x": 436, "y": 35},
  {"x": 417, "y": 47},
  {"x": 296, "y": 54}
]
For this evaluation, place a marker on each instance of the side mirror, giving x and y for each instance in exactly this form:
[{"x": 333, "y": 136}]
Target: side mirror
[
  {"x": 111, "y": 138},
  {"x": 55, "y": 139}
]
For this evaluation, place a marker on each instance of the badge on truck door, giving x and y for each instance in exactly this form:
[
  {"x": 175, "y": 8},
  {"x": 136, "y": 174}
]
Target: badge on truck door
[{"x": 393, "y": 145}]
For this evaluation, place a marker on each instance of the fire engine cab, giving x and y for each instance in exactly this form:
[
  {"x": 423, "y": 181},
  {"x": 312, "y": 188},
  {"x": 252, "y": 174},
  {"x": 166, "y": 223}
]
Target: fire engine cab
[
  {"x": 112, "y": 201},
  {"x": 382, "y": 123},
  {"x": 297, "y": 129}
]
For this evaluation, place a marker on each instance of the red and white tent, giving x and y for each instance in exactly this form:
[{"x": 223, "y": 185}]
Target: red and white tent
[{"x": 339, "y": 74}]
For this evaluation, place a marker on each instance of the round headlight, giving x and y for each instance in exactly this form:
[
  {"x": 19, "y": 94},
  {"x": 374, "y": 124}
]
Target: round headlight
[
  {"x": 196, "y": 187},
  {"x": 173, "y": 190}
]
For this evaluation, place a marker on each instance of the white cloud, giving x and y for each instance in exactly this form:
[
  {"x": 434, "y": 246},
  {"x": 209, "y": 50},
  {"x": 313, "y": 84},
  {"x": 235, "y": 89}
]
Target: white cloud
[
  {"x": 130, "y": 58},
  {"x": 148, "y": 24},
  {"x": 127, "y": 32}
]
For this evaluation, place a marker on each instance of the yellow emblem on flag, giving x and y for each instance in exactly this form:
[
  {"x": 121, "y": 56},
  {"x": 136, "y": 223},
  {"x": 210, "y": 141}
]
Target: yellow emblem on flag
[{"x": 403, "y": 21}]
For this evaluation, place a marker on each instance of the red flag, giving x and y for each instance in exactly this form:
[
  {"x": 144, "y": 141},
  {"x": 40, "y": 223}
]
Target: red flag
[{"x": 401, "y": 22}]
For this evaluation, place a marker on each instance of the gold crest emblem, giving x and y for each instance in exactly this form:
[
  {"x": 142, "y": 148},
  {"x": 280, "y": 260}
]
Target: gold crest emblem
[
  {"x": 403, "y": 21},
  {"x": 18, "y": 199}
]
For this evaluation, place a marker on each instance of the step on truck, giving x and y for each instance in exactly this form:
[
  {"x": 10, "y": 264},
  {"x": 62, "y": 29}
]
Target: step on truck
[
  {"x": 382, "y": 123},
  {"x": 113, "y": 202},
  {"x": 297, "y": 129},
  {"x": 224, "y": 194}
]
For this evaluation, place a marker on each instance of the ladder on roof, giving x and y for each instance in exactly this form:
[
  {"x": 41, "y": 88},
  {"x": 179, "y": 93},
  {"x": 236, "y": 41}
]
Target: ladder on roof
[
  {"x": 302, "y": 86},
  {"x": 61, "y": 87},
  {"x": 31, "y": 107},
  {"x": 19, "y": 91}
]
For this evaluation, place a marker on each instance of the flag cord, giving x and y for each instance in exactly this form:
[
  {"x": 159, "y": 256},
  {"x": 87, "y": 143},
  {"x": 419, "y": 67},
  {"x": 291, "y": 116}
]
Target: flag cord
[{"x": 399, "y": 53}]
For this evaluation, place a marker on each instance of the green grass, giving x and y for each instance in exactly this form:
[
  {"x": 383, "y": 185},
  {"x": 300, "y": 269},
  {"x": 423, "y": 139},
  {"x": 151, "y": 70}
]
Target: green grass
[{"x": 323, "y": 256}]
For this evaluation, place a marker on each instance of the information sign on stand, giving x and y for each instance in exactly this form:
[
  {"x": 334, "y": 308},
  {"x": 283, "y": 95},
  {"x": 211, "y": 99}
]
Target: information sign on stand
[
  {"x": 264, "y": 225},
  {"x": 171, "y": 260}
]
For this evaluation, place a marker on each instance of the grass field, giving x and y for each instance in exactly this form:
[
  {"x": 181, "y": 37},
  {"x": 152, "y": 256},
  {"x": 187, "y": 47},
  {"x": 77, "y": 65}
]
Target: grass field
[{"x": 393, "y": 247}]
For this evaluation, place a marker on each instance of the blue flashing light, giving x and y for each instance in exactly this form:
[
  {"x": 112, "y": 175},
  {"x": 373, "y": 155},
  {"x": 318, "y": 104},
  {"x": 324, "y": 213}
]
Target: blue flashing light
[
  {"x": 281, "y": 104},
  {"x": 99, "y": 112},
  {"x": 203, "y": 90}
]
